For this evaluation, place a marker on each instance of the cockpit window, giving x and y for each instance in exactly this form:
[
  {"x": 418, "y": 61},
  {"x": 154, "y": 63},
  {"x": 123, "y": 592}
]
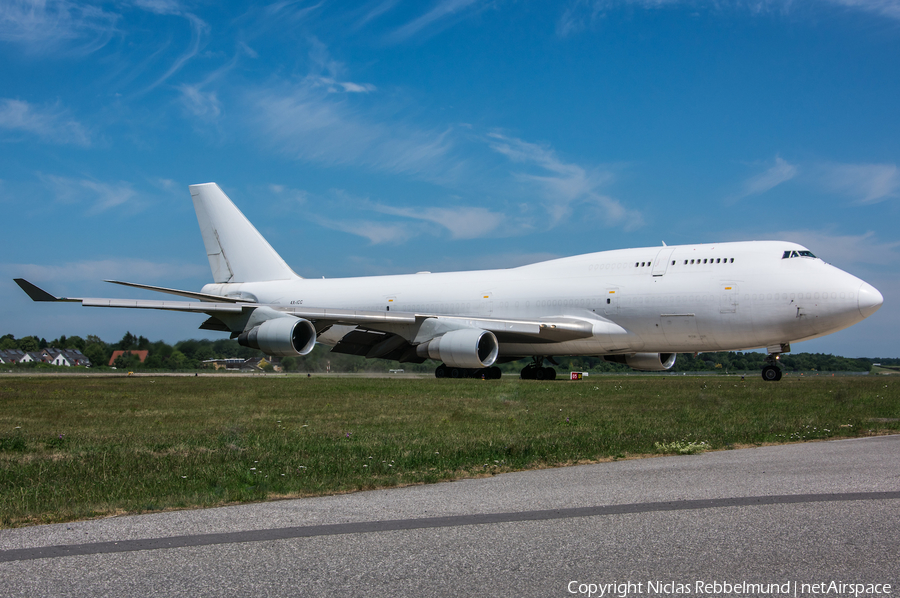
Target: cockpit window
[{"x": 789, "y": 254}]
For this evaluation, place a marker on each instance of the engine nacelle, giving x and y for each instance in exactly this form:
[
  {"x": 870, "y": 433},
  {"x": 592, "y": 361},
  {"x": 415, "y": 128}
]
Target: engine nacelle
[
  {"x": 465, "y": 348},
  {"x": 281, "y": 336},
  {"x": 647, "y": 362}
]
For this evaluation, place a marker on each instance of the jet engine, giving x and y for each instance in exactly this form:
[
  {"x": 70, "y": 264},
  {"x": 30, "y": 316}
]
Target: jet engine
[
  {"x": 648, "y": 362},
  {"x": 281, "y": 336},
  {"x": 465, "y": 348}
]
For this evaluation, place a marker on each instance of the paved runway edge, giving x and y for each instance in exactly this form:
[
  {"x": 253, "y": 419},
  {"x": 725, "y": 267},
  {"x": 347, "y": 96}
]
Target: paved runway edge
[{"x": 286, "y": 533}]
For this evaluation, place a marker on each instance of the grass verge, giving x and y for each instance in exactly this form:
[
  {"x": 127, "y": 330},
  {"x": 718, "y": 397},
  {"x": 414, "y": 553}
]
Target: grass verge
[{"x": 74, "y": 448}]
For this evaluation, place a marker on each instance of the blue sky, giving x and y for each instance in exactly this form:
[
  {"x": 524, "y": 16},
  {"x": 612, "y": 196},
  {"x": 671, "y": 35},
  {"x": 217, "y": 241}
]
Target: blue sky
[{"x": 395, "y": 136}]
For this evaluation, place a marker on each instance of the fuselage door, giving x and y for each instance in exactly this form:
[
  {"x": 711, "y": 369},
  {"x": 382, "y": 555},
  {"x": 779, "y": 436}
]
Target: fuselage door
[
  {"x": 662, "y": 261},
  {"x": 486, "y": 304},
  {"x": 611, "y": 301},
  {"x": 729, "y": 298}
]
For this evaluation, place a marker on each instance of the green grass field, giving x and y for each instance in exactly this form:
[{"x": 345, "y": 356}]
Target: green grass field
[{"x": 79, "y": 447}]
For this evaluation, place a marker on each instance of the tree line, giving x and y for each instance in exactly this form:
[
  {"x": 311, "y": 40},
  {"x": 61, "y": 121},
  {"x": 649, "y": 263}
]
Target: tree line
[{"x": 190, "y": 355}]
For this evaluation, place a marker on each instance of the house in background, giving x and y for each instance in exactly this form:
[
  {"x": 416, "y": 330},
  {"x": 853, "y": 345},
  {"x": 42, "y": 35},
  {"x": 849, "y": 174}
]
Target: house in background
[
  {"x": 142, "y": 355},
  {"x": 252, "y": 364},
  {"x": 51, "y": 355},
  {"x": 228, "y": 363},
  {"x": 12, "y": 355},
  {"x": 64, "y": 357}
]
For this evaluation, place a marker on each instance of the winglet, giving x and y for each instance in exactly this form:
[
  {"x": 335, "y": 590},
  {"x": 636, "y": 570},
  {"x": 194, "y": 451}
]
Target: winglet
[{"x": 36, "y": 293}]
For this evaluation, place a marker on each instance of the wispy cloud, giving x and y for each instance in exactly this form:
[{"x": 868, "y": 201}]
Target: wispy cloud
[
  {"x": 583, "y": 14},
  {"x": 199, "y": 31},
  {"x": 564, "y": 185},
  {"x": 866, "y": 183},
  {"x": 580, "y": 15},
  {"x": 52, "y": 123},
  {"x": 463, "y": 222},
  {"x": 375, "y": 12},
  {"x": 317, "y": 126},
  {"x": 97, "y": 270},
  {"x": 441, "y": 11},
  {"x": 47, "y": 26},
  {"x": 99, "y": 196},
  {"x": 885, "y": 8},
  {"x": 375, "y": 232},
  {"x": 780, "y": 172},
  {"x": 202, "y": 104},
  {"x": 324, "y": 71}
]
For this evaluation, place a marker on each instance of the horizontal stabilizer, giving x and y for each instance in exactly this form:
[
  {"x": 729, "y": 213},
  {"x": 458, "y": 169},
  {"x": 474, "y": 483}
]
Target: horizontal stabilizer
[
  {"x": 189, "y": 294},
  {"x": 36, "y": 293}
]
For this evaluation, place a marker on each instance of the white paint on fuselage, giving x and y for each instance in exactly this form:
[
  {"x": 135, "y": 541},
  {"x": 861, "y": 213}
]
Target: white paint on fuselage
[{"x": 688, "y": 298}]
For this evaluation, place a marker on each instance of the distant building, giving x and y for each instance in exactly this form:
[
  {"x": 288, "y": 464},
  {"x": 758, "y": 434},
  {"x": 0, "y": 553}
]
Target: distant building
[
  {"x": 142, "y": 355},
  {"x": 51, "y": 355},
  {"x": 12, "y": 355},
  {"x": 64, "y": 357},
  {"x": 252, "y": 364},
  {"x": 229, "y": 363}
]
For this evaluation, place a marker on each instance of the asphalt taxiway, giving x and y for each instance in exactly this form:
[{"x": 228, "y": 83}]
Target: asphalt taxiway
[{"x": 772, "y": 517}]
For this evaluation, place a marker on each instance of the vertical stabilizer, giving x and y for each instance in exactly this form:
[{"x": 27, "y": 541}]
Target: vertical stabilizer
[{"x": 236, "y": 250}]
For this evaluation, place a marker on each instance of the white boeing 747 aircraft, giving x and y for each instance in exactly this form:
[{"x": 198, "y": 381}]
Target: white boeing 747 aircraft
[{"x": 638, "y": 307}]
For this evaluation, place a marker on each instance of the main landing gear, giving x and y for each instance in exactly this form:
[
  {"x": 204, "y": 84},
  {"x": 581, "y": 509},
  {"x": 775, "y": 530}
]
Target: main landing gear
[
  {"x": 537, "y": 371},
  {"x": 443, "y": 371}
]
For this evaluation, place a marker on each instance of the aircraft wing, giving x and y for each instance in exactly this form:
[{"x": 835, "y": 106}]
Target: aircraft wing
[{"x": 403, "y": 324}]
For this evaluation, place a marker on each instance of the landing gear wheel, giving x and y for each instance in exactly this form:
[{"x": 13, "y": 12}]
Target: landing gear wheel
[
  {"x": 440, "y": 371},
  {"x": 549, "y": 374},
  {"x": 528, "y": 372},
  {"x": 771, "y": 373},
  {"x": 494, "y": 373}
]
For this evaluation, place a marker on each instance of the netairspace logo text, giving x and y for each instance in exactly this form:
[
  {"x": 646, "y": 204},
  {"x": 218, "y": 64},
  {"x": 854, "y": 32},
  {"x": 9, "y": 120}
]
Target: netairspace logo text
[{"x": 623, "y": 589}]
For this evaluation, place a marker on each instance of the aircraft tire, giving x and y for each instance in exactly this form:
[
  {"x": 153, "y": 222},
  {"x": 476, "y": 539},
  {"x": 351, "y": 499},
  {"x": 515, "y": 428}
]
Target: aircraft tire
[
  {"x": 494, "y": 373},
  {"x": 440, "y": 371},
  {"x": 527, "y": 373},
  {"x": 549, "y": 374},
  {"x": 771, "y": 373}
]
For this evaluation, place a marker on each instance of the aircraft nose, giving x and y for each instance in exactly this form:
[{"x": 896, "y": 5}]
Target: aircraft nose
[{"x": 869, "y": 299}]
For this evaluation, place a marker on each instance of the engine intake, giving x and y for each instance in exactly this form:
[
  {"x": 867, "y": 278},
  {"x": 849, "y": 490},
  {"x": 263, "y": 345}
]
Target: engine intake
[
  {"x": 647, "y": 362},
  {"x": 281, "y": 336},
  {"x": 466, "y": 348}
]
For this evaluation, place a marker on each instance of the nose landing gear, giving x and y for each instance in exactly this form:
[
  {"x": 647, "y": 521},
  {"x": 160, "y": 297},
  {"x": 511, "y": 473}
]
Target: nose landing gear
[{"x": 771, "y": 372}]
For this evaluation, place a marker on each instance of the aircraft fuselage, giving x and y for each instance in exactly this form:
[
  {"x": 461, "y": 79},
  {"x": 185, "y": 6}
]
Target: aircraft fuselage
[{"x": 687, "y": 298}]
